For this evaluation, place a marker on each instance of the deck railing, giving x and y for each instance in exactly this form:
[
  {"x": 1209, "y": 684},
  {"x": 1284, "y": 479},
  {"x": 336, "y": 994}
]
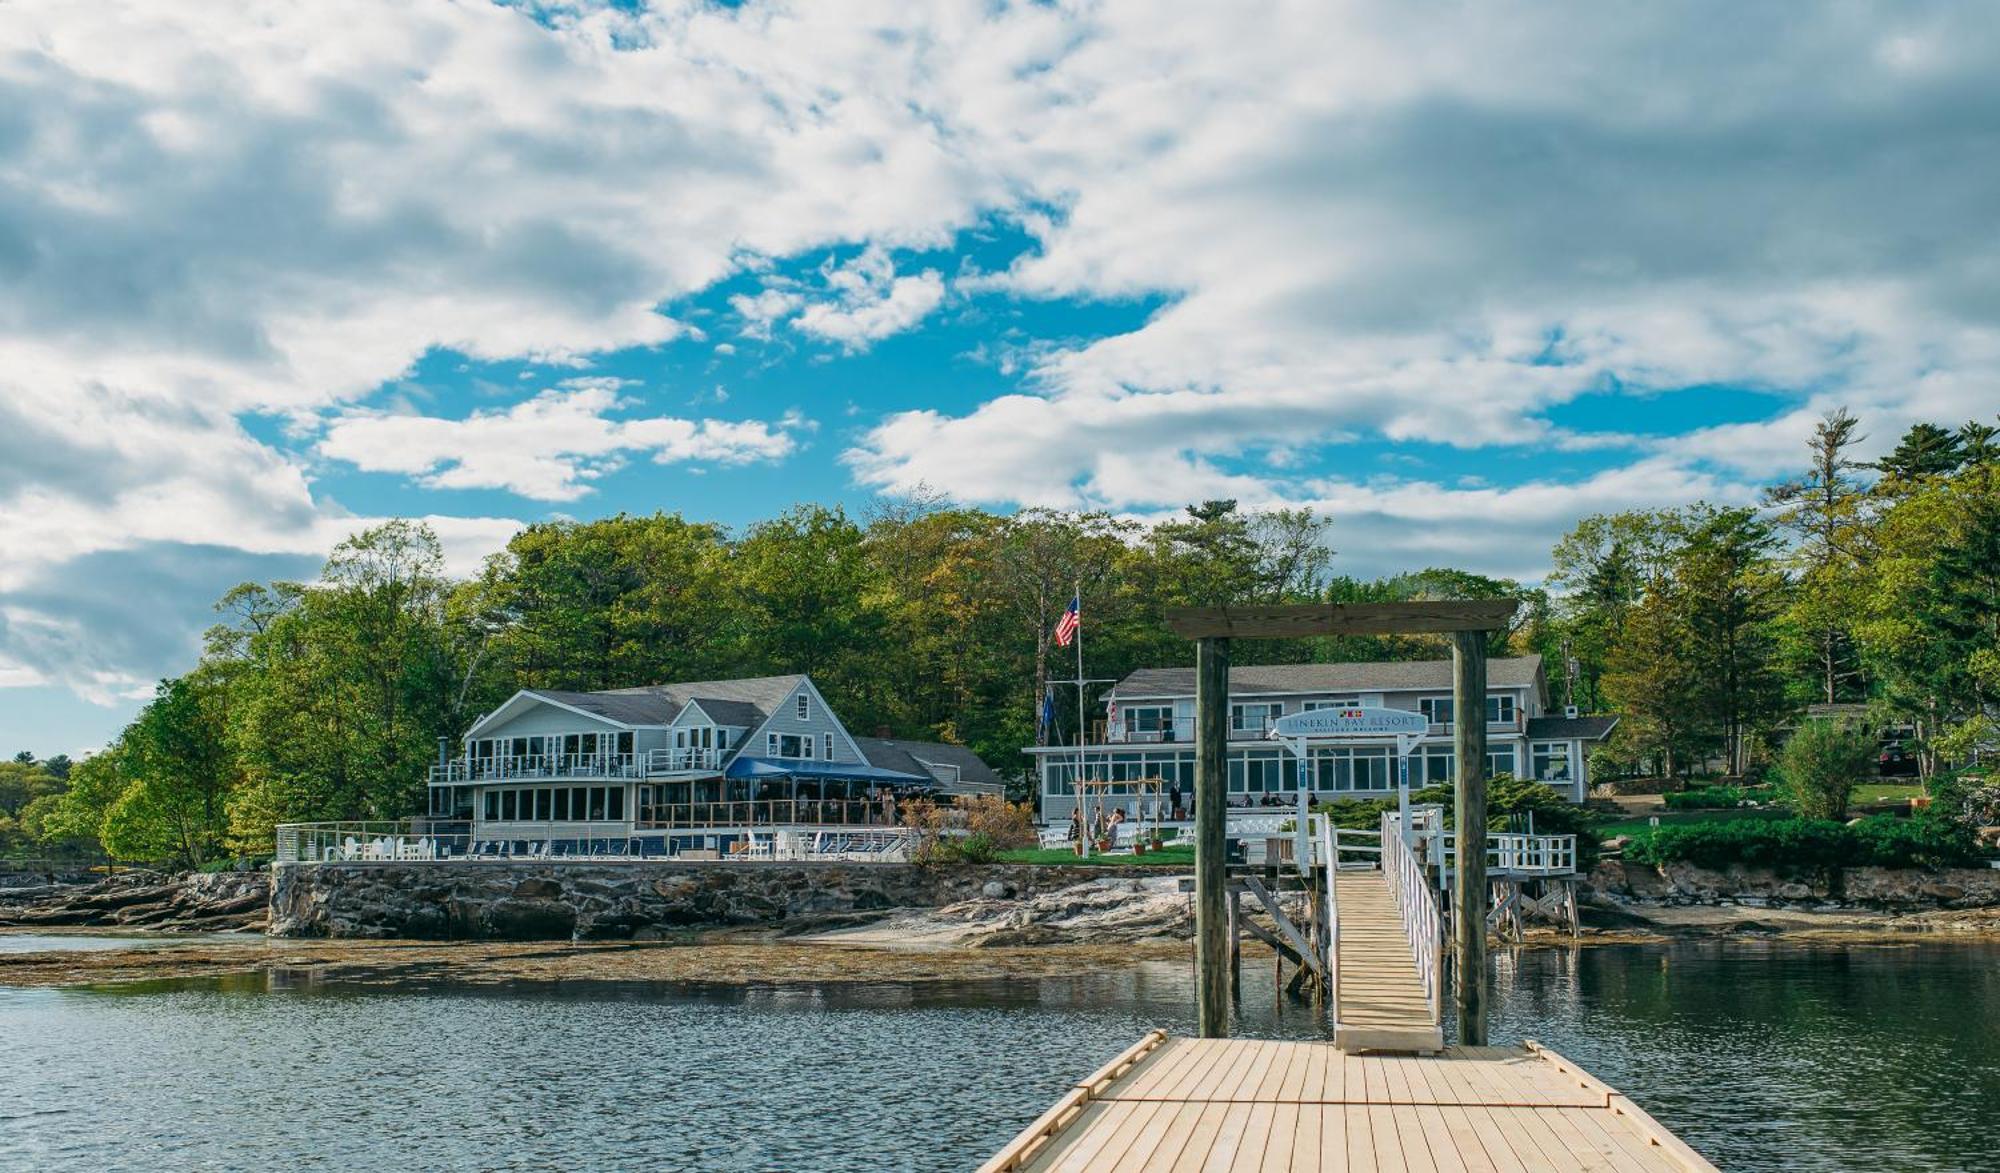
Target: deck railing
[
  {"x": 809, "y": 812},
  {"x": 1417, "y": 902},
  {"x": 536, "y": 766},
  {"x": 682, "y": 760},
  {"x": 381, "y": 840},
  {"x": 1520, "y": 855}
]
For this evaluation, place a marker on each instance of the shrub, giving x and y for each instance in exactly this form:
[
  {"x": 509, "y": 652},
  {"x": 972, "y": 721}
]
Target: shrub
[
  {"x": 1889, "y": 842},
  {"x": 1822, "y": 763},
  {"x": 1008, "y": 826},
  {"x": 1705, "y": 798},
  {"x": 1807, "y": 844}
]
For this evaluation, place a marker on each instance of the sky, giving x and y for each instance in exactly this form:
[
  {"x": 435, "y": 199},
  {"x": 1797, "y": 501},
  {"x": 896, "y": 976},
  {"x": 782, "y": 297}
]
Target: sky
[{"x": 1455, "y": 275}]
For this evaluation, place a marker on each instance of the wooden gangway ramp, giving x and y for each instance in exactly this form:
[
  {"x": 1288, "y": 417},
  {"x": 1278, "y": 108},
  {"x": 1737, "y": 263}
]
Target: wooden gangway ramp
[
  {"x": 1248, "y": 1104},
  {"x": 1382, "y": 1001}
]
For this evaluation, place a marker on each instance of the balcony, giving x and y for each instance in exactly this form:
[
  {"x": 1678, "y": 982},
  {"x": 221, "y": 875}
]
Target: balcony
[
  {"x": 654, "y": 763},
  {"x": 691, "y": 760},
  {"x": 1148, "y": 736},
  {"x": 536, "y": 766}
]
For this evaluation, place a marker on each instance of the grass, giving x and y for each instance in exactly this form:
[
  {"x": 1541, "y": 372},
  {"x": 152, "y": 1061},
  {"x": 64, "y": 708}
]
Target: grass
[
  {"x": 1870, "y": 792},
  {"x": 1885, "y": 791},
  {"x": 1052, "y": 856},
  {"x": 1632, "y": 826}
]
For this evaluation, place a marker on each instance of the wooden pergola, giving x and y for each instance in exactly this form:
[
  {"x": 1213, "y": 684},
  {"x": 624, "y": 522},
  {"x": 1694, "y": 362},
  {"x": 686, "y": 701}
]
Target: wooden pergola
[{"x": 1211, "y": 629}]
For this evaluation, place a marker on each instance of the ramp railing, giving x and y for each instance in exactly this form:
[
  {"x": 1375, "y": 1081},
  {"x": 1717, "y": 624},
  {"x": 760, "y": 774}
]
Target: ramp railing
[{"x": 1417, "y": 902}]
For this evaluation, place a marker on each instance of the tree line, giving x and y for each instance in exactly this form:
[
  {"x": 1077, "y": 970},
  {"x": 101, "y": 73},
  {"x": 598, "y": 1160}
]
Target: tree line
[{"x": 1704, "y": 627}]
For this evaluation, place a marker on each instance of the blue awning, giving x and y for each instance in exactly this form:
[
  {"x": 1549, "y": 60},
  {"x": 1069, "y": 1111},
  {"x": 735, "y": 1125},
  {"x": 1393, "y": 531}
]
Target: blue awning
[{"x": 779, "y": 768}]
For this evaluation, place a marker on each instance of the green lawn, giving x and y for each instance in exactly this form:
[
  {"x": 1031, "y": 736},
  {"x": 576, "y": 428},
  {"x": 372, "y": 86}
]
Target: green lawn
[
  {"x": 1883, "y": 791},
  {"x": 1623, "y": 826},
  {"x": 1173, "y": 856}
]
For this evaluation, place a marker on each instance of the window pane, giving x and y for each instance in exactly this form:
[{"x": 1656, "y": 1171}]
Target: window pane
[{"x": 617, "y": 807}]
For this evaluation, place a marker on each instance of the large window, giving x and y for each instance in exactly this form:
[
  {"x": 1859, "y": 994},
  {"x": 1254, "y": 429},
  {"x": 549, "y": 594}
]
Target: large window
[
  {"x": 1150, "y": 723},
  {"x": 1433, "y": 764},
  {"x": 1500, "y": 709},
  {"x": 1369, "y": 768},
  {"x": 788, "y": 745},
  {"x": 1254, "y": 717},
  {"x": 1257, "y": 774},
  {"x": 1339, "y": 702},
  {"x": 559, "y": 804},
  {"x": 1552, "y": 761}
]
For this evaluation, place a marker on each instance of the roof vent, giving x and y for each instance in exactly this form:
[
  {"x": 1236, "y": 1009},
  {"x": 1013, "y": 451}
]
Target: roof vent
[{"x": 1570, "y": 712}]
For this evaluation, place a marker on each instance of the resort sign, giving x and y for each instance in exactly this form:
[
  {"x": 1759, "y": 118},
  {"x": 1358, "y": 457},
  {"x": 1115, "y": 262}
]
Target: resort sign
[
  {"x": 1349, "y": 721},
  {"x": 1353, "y": 722}
]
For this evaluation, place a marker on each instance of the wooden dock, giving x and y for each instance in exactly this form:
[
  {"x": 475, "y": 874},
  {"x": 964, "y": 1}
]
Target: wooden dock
[
  {"x": 1247, "y": 1104},
  {"x": 1382, "y": 1003}
]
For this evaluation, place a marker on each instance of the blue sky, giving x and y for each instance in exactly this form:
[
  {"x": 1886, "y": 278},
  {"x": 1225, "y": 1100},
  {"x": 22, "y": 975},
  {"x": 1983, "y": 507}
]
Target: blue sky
[{"x": 1455, "y": 281}]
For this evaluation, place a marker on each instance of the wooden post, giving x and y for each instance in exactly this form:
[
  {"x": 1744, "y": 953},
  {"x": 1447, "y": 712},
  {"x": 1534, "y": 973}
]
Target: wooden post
[
  {"x": 1211, "y": 795},
  {"x": 1468, "y": 711},
  {"x": 1235, "y": 946}
]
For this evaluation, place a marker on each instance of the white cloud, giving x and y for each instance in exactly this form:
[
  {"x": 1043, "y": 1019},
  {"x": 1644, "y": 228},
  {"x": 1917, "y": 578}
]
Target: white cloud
[
  {"x": 870, "y": 302},
  {"x": 1361, "y": 219},
  {"x": 549, "y": 447}
]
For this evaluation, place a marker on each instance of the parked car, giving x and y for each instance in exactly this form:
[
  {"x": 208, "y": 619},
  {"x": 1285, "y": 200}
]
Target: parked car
[{"x": 1894, "y": 761}]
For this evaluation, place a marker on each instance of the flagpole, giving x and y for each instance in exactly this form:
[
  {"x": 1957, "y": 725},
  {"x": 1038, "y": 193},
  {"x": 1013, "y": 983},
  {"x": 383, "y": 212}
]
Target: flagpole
[{"x": 1080, "y": 722}]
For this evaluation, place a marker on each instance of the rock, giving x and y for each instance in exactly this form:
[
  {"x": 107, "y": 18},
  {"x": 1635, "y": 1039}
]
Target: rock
[{"x": 643, "y": 900}]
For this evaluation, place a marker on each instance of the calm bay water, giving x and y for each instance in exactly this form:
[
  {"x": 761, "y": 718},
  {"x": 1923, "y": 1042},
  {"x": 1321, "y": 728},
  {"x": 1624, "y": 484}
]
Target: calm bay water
[{"x": 1765, "y": 1057}]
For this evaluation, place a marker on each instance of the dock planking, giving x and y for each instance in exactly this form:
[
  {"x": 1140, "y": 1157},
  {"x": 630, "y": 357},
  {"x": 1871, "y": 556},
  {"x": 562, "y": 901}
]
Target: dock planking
[
  {"x": 1245, "y": 1104},
  {"x": 1382, "y": 1000}
]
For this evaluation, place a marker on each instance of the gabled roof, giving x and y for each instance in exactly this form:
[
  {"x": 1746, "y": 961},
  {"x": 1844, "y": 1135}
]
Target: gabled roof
[
  {"x": 1371, "y": 676},
  {"x": 974, "y": 775},
  {"x": 626, "y": 710},
  {"x": 746, "y": 702},
  {"x": 1566, "y": 728}
]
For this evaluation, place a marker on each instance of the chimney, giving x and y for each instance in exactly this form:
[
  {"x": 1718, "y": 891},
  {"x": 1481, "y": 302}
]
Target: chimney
[{"x": 882, "y": 732}]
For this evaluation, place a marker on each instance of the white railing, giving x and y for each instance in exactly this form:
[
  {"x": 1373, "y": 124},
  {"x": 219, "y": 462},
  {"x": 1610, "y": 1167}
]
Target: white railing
[
  {"x": 540, "y": 765},
  {"x": 1329, "y": 839},
  {"x": 1520, "y": 855},
  {"x": 682, "y": 760},
  {"x": 1417, "y": 902},
  {"x": 1147, "y": 736},
  {"x": 381, "y": 841}
]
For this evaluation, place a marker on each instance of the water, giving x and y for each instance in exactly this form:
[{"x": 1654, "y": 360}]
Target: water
[
  {"x": 99, "y": 942},
  {"x": 1765, "y": 1057}
]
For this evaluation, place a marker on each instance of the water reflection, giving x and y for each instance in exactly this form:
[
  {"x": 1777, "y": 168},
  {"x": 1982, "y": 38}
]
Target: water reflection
[{"x": 1765, "y": 1056}]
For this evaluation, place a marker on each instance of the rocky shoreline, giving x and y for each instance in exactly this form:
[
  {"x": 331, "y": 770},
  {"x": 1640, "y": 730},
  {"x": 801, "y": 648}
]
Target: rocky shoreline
[{"x": 194, "y": 902}]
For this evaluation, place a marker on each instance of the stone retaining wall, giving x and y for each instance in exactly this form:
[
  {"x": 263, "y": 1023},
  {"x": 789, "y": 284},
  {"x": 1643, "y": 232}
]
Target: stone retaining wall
[
  {"x": 479, "y": 899},
  {"x": 1899, "y": 889}
]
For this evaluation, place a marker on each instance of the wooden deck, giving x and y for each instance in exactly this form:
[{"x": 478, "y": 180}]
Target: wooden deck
[
  {"x": 1245, "y": 1104},
  {"x": 1382, "y": 1001}
]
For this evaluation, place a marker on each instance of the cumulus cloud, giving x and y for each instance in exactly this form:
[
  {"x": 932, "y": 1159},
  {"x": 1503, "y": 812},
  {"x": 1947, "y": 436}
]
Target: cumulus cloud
[
  {"x": 870, "y": 301},
  {"x": 1368, "y": 224},
  {"x": 549, "y": 447},
  {"x": 1358, "y": 220}
]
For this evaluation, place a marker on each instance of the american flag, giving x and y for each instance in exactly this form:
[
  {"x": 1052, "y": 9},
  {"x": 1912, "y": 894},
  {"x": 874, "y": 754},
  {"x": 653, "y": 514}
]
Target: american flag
[{"x": 1070, "y": 621}]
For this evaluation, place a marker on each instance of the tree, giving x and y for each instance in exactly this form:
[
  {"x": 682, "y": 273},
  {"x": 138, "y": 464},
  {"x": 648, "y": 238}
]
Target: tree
[
  {"x": 1821, "y": 765},
  {"x": 1731, "y": 591},
  {"x": 603, "y": 604},
  {"x": 1650, "y": 677},
  {"x": 347, "y": 687},
  {"x": 1925, "y": 453},
  {"x": 171, "y": 775},
  {"x": 1823, "y": 512},
  {"x": 1931, "y": 618}
]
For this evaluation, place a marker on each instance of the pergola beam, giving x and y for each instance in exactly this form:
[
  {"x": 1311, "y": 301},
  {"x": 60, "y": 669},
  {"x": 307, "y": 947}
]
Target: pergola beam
[{"x": 1297, "y": 620}]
